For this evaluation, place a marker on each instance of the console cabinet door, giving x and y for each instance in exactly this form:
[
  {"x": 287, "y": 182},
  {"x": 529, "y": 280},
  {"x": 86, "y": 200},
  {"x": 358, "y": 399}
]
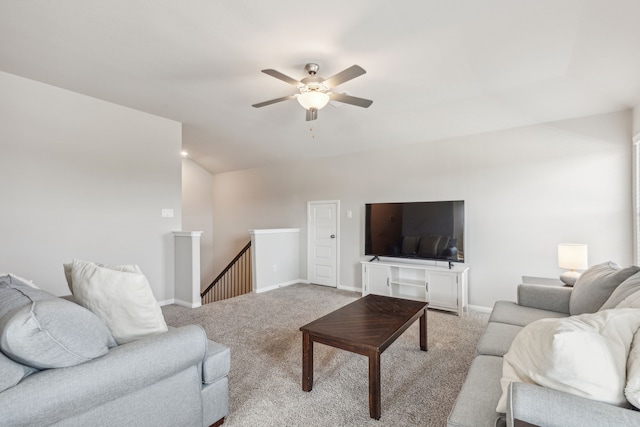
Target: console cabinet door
[
  {"x": 375, "y": 279},
  {"x": 443, "y": 290}
]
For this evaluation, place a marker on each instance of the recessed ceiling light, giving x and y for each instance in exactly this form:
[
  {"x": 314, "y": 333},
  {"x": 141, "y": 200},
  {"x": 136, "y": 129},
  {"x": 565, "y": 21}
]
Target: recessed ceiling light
[{"x": 184, "y": 153}]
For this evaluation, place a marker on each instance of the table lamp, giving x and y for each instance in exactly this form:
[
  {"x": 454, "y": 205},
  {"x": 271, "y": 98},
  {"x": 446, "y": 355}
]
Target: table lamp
[{"x": 572, "y": 256}]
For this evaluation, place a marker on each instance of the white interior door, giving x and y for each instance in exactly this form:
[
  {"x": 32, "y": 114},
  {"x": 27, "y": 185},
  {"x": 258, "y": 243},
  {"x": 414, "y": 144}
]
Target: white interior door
[{"x": 323, "y": 242}]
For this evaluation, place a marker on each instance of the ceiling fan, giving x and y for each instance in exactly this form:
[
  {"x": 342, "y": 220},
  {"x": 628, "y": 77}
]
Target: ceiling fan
[{"x": 315, "y": 92}]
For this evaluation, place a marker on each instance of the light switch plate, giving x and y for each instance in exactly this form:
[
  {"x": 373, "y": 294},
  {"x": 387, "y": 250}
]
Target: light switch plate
[{"x": 167, "y": 213}]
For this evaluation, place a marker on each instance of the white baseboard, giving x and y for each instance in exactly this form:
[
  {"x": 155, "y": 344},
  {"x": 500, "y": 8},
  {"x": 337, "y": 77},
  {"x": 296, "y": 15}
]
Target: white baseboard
[
  {"x": 180, "y": 302},
  {"x": 350, "y": 288},
  {"x": 480, "y": 309},
  {"x": 188, "y": 304},
  {"x": 276, "y": 286}
]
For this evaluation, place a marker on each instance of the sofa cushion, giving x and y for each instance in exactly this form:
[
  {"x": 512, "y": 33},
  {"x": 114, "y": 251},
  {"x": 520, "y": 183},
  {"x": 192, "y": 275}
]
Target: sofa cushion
[
  {"x": 497, "y": 339},
  {"x": 624, "y": 290},
  {"x": 583, "y": 355},
  {"x": 159, "y": 373},
  {"x": 12, "y": 372},
  {"x": 122, "y": 299},
  {"x": 53, "y": 333},
  {"x": 541, "y": 406},
  {"x": 595, "y": 286},
  {"x": 514, "y": 314},
  {"x": 476, "y": 402}
]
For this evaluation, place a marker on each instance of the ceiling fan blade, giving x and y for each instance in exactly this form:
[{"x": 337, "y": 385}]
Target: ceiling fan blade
[
  {"x": 278, "y": 75},
  {"x": 312, "y": 114},
  {"x": 344, "y": 76},
  {"x": 273, "y": 101},
  {"x": 353, "y": 100}
]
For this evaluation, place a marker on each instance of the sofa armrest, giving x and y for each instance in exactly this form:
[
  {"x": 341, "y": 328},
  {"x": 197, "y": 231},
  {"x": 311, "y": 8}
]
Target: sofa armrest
[
  {"x": 217, "y": 362},
  {"x": 546, "y": 407},
  {"x": 544, "y": 297},
  {"x": 52, "y": 395}
]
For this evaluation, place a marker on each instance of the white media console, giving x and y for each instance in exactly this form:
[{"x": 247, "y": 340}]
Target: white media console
[{"x": 443, "y": 287}]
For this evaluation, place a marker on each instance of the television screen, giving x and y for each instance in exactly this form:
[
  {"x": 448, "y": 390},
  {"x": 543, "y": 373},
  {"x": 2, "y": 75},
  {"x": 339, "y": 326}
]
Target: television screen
[{"x": 421, "y": 230}]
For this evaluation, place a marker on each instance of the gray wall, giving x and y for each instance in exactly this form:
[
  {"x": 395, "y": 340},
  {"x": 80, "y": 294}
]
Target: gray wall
[
  {"x": 197, "y": 214},
  {"x": 525, "y": 191},
  {"x": 87, "y": 179}
]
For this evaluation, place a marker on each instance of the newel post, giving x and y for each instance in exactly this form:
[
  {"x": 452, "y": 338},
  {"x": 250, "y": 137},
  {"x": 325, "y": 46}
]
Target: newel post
[{"x": 187, "y": 268}]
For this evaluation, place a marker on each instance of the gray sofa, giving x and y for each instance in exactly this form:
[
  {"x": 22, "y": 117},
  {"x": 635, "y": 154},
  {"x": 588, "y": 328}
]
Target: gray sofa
[
  {"x": 476, "y": 403},
  {"x": 176, "y": 378}
]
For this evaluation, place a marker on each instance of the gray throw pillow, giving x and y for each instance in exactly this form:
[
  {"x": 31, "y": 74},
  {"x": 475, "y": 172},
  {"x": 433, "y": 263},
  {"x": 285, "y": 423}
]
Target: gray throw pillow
[
  {"x": 53, "y": 333},
  {"x": 15, "y": 293},
  {"x": 625, "y": 289},
  {"x": 11, "y": 373},
  {"x": 595, "y": 286}
]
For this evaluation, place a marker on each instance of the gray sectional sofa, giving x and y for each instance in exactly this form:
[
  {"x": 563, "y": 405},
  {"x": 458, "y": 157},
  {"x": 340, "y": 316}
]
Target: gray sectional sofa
[
  {"x": 82, "y": 377},
  {"x": 476, "y": 403}
]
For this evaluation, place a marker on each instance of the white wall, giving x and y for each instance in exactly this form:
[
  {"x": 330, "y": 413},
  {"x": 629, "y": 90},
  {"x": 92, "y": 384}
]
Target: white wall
[
  {"x": 275, "y": 258},
  {"x": 87, "y": 179},
  {"x": 526, "y": 190},
  {"x": 197, "y": 214}
]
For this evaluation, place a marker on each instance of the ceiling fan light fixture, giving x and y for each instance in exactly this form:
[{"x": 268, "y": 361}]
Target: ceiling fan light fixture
[
  {"x": 314, "y": 92},
  {"x": 313, "y": 100}
]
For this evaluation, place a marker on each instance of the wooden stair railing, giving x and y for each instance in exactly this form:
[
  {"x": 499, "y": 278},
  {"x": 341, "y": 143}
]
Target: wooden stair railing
[{"x": 234, "y": 280}]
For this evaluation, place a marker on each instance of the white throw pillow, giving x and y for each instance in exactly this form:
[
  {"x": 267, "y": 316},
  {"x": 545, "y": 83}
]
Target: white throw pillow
[
  {"x": 583, "y": 355},
  {"x": 632, "y": 301},
  {"x": 632, "y": 389},
  {"x": 123, "y": 300},
  {"x": 132, "y": 268}
]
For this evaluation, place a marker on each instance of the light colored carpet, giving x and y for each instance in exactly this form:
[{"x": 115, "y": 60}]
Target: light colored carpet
[{"x": 265, "y": 382}]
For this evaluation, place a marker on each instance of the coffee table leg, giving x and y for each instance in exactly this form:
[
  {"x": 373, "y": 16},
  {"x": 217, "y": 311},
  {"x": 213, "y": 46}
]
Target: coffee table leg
[
  {"x": 307, "y": 362},
  {"x": 423, "y": 330},
  {"x": 374, "y": 385}
]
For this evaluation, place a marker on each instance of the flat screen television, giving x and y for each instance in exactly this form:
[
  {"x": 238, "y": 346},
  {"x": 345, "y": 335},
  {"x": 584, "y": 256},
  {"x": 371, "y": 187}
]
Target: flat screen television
[{"x": 418, "y": 230}]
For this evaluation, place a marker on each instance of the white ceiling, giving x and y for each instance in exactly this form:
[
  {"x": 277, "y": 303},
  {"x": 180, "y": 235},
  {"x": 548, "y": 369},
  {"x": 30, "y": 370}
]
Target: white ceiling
[{"x": 435, "y": 69}]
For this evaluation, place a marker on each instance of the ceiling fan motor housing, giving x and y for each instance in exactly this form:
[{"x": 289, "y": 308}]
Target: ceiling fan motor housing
[
  {"x": 313, "y": 83},
  {"x": 311, "y": 68}
]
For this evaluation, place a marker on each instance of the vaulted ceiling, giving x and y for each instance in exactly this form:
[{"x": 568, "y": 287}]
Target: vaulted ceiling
[{"x": 435, "y": 69}]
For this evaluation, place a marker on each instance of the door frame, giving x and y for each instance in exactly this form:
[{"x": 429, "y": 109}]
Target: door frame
[{"x": 338, "y": 237}]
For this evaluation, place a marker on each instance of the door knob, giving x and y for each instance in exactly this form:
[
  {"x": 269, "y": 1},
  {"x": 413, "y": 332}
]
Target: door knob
[{"x": 333, "y": 236}]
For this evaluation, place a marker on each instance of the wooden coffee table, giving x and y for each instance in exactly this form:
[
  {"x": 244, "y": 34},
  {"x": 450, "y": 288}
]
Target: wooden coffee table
[{"x": 367, "y": 326}]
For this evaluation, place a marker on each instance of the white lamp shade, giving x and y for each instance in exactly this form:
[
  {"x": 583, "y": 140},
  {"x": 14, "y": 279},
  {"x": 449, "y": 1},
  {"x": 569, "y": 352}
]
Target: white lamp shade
[
  {"x": 313, "y": 100},
  {"x": 572, "y": 256}
]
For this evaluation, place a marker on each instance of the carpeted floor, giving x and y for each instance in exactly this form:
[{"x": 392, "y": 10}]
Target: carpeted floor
[{"x": 262, "y": 330}]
